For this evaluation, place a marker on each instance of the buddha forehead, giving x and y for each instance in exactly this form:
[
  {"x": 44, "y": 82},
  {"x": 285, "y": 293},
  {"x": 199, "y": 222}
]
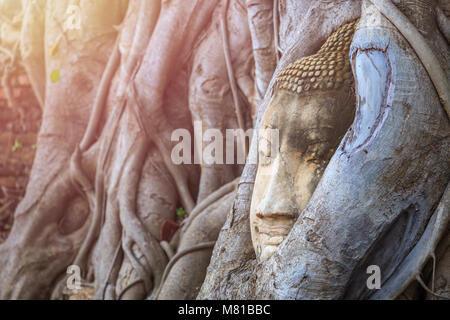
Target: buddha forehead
[{"x": 304, "y": 121}]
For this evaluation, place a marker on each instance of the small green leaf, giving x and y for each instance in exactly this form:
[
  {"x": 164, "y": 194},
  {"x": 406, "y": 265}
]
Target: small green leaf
[
  {"x": 16, "y": 146},
  {"x": 181, "y": 213},
  {"x": 34, "y": 146},
  {"x": 54, "y": 49},
  {"x": 55, "y": 76}
]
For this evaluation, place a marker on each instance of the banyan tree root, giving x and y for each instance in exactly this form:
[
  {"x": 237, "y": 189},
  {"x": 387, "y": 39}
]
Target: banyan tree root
[
  {"x": 133, "y": 228},
  {"x": 145, "y": 263},
  {"x": 422, "y": 49},
  {"x": 221, "y": 88},
  {"x": 31, "y": 48},
  {"x": 187, "y": 269},
  {"x": 51, "y": 221},
  {"x": 87, "y": 140},
  {"x": 139, "y": 198},
  {"x": 57, "y": 226},
  {"x": 211, "y": 199},
  {"x": 36, "y": 238},
  {"x": 174, "y": 259},
  {"x": 146, "y": 275},
  {"x": 412, "y": 266},
  {"x": 261, "y": 15},
  {"x": 229, "y": 66},
  {"x": 130, "y": 60},
  {"x": 443, "y": 23},
  {"x": 160, "y": 64},
  {"x": 439, "y": 282}
]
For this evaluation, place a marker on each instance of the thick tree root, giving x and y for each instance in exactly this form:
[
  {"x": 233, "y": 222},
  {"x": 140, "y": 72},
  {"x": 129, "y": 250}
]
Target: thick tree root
[
  {"x": 231, "y": 77},
  {"x": 134, "y": 231},
  {"x": 100, "y": 99},
  {"x": 185, "y": 273},
  {"x": 143, "y": 30},
  {"x": 178, "y": 256},
  {"x": 411, "y": 267},
  {"x": 443, "y": 23},
  {"x": 202, "y": 206},
  {"x": 276, "y": 33},
  {"x": 424, "y": 286},
  {"x": 178, "y": 174},
  {"x": 421, "y": 47}
]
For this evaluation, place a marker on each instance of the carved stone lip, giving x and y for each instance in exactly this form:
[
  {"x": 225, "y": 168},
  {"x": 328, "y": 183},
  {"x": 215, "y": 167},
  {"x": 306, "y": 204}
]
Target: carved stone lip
[
  {"x": 274, "y": 227},
  {"x": 276, "y": 215},
  {"x": 274, "y": 241}
]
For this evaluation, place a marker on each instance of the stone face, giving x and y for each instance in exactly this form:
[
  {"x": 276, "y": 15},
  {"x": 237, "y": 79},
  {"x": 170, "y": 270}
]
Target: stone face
[{"x": 312, "y": 107}]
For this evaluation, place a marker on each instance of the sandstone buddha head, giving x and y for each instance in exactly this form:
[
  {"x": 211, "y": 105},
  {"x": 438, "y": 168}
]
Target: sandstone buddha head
[{"x": 312, "y": 107}]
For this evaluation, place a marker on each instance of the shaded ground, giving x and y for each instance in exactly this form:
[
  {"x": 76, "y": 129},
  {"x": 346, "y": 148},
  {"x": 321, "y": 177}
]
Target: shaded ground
[{"x": 19, "y": 126}]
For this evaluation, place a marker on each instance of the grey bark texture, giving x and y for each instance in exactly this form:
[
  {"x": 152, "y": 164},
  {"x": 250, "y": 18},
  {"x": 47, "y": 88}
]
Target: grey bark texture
[
  {"x": 103, "y": 185},
  {"x": 380, "y": 187}
]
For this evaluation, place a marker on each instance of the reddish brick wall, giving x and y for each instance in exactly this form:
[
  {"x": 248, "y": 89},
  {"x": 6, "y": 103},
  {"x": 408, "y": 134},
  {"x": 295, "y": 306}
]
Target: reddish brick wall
[{"x": 19, "y": 126}]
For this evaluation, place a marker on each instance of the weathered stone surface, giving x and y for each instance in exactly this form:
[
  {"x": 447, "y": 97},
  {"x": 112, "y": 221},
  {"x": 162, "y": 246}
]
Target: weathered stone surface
[{"x": 328, "y": 69}]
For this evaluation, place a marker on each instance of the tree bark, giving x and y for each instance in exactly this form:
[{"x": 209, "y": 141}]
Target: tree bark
[{"x": 374, "y": 193}]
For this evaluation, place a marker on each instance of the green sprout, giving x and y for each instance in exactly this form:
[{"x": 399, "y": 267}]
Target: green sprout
[
  {"x": 16, "y": 146},
  {"x": 181, "y": 213},
  {"x": 55, "y": 76}
]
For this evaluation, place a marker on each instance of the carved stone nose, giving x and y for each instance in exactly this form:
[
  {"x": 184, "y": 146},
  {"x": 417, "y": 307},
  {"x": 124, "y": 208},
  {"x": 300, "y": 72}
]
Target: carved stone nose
[
  {"x": 278, "y": 200},
  {"x": 276, "y": 207}
]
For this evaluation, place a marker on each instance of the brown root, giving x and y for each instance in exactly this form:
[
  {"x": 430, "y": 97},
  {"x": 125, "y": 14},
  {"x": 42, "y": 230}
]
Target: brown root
[
  {"x": 134, "y": 230},
  {"x": 187, "y": 269},
  {"x": 212, "y": 198}
]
